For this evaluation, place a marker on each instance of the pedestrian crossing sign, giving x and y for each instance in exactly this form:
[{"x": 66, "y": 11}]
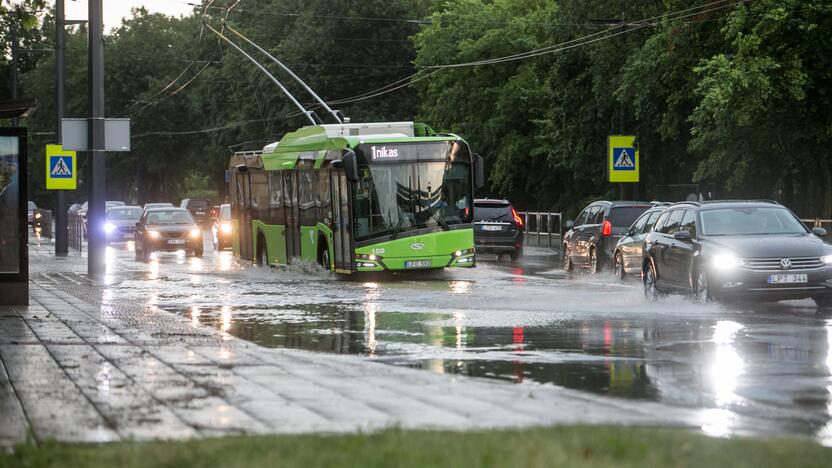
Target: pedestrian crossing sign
[
  {"x": 61, "y": 169},
  {"x": 623, "y": 156}
]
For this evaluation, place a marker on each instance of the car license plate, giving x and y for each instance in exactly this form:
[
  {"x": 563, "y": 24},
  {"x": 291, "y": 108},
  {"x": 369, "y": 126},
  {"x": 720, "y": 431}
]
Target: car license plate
[
  {"x": 417, "y": 264},
  {"x": 200, "y": 212},
  {"x": 787, "y": 279},
  {"x": 492, "y": 228},
  {"x": 176, "y": 241}
]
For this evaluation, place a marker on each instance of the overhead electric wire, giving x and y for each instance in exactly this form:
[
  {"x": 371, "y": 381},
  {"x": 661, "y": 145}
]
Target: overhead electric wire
[
  {"x": 185, "y": 85},
  {"x": 287, "y": 70},
  {"x": 137, "y": 102},
  {"x": 545, "y": 50},
  {"x": 263, "y": 69}
]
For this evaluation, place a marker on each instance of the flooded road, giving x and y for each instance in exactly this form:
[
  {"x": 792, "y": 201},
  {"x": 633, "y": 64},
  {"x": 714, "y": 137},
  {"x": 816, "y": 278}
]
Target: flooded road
[{"x": 527, "y": 323}]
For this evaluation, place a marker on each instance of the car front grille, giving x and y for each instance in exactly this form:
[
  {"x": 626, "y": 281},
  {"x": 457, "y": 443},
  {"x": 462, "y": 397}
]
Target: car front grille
[
  {"x": 773, "y": 264},
  {"x": 174, "y": 234}
]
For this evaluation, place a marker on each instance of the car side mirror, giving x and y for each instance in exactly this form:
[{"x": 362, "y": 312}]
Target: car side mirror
[
  {"x": 138, "y": 225},
  {"x": 479, "y": 171},
  {"x": 682, "y": 236},
  {"x": 570, "y": 224},
  {"x": 819, "y": 231}
]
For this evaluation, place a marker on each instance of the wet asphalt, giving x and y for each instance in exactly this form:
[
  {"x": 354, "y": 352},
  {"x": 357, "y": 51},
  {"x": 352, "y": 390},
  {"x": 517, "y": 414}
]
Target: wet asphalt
[{"x": 524, "y": 322}]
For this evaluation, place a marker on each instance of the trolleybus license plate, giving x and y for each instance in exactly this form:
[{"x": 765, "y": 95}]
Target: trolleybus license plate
[
  {"x": 417, "y": 264},
  {"x": 787, "y": 279}
]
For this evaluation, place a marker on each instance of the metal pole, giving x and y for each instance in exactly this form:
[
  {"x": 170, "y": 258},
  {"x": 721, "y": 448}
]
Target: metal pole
[
  {"x": 61, "y": 233},
  {"x": 96, "y": 266},
  {"x": 14, "y": 62}
]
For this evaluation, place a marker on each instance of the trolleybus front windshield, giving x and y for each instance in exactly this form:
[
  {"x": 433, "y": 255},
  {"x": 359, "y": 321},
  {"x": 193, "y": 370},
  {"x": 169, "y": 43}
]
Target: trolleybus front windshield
[{"x": 408, "y": 186}]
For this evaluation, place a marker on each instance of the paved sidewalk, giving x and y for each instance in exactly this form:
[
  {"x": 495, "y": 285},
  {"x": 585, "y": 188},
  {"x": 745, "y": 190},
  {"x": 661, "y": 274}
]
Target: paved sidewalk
[{"x": 79, "y": 364}]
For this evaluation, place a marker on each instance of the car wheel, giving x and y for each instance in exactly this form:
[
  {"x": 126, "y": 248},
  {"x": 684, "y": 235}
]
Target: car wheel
[
  {"x": 594, "y": 263},
  {"x": 701, "y": 287},
  {"x": 824, "y": 303},
  {"x": 567, "y": 262},
  {"x": 517, "y": 255},
  {"x": 651, "y": 290},
  {"x": 198, "y": 252},
  {"x": 618, "y": 262},
  {"x": 138, "y": 253}
]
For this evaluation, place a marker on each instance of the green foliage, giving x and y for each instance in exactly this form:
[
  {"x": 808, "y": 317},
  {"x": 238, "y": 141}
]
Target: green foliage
[{"x": 737, "y": 97}]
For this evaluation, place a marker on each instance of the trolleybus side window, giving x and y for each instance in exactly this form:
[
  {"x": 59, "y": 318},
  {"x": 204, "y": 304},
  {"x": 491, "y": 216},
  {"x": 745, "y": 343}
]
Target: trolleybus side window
[{"x": 276, "y": 197}]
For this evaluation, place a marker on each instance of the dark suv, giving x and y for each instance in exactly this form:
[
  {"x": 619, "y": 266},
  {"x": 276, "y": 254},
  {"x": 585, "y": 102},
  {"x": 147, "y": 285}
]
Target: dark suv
[
  {"x": 200, "y": 208},
  {"x": 592, "y": 237},
  {"x": 498, "y": 228},
  {"x": 737, "y": 249}
]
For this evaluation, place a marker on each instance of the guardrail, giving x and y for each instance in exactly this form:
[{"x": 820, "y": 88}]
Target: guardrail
[
  {"x": 76, "y": 233},
  {"x": 816, "y": 222},
  {"x": 543, "y": 228}
]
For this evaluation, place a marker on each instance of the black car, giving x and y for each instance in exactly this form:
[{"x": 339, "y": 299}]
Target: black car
[
  {"x": 120, "y": 225},
  {"x": 592, "y": 237},
  {"x": 222, "y": 230},
  {"x": 498, "y": 228},
  {"x": 628, "y": 255},
  {"x": 167, "y": 229},
  {"x": 737, "y": 250},
  {"x": 200, "y": 208}
]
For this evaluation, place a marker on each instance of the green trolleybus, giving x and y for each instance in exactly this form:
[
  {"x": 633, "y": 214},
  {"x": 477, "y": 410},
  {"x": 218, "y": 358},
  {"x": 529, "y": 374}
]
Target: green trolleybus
[{"x": 357, "y": 198}]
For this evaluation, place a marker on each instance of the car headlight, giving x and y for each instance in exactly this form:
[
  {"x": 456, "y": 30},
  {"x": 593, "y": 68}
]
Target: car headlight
[
  {"x": 109, "y": 227},
  {"x": 153, "y": 234},
  {"x": 226, "y": 228},
  {"x": 195, "y": 233},
  {"x": 37, "y": 215},
  {"x": 827, "y": 259},
  {"x": 726, "y": 261}
]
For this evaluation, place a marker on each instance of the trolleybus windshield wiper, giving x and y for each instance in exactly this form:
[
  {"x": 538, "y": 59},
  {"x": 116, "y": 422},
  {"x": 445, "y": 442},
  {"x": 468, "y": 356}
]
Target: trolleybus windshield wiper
[
  {"x": 435, "y": 215},
  {"x": 398, "y": 227}
]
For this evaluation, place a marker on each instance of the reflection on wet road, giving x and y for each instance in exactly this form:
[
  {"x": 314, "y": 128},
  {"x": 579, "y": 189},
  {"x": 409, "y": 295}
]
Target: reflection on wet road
[{"x": 522, "y": 323}]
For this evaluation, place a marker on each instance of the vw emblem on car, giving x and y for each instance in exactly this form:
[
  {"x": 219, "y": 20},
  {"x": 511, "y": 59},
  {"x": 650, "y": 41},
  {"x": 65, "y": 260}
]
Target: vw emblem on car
[
  {"x": 417, "y": 246},
  {"x": 785, "y": 263}
]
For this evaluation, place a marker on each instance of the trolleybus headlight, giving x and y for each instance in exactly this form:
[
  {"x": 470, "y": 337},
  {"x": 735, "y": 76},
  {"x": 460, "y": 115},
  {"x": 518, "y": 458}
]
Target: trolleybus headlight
[
  {"x": 827, "y": 259},
  {"x": 726, "y": 261},
  {"x": 460, "y": 253},
  {"x": 109, "y": 227},
  {"x": 370, "y": 257},
  {"x": 225, "y": 228},
  {"x": 195, "y": 233},
  {"x": 153, "y": 234}
]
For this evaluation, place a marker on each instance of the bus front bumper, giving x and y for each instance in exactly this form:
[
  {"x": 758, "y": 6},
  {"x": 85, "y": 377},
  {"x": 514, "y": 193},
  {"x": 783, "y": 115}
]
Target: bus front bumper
[{"x": 467, "y": 259}]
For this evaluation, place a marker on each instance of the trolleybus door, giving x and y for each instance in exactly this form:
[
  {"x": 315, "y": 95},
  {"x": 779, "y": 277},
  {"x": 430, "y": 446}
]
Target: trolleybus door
[
  {"x": 341, "y": 213},
  {"x": 290, "y": 197},
  {"x": 243, "y": 188}
]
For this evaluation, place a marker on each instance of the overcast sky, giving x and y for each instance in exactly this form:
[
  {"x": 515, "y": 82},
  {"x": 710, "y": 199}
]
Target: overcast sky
[{"x": 115, "y": 10}]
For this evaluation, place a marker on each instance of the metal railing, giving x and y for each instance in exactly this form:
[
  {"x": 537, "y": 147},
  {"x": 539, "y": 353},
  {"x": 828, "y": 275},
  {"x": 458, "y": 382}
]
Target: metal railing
[
  {"x": 821, "y": 223},
  {"x": 543, "y": 228},
  {"x": 76, "y": 233}
]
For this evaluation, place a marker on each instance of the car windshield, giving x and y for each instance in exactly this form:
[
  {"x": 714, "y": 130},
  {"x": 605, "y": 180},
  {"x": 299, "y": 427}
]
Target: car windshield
[
  {"x": 492, "y": 212},
  {"x": 158, "y": 205},
  {"x": 199, "y": 204},
  {"x": 169, "y": 217},
  {"x": 625, "y": 216},
  {"x": 744, "y": 221},
  {"x": 225, "y": 212},
  {"x": 124, "y": 213}
]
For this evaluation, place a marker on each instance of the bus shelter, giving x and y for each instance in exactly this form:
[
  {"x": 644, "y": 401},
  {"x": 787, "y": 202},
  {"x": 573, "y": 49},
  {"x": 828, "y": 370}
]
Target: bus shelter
[{"x": 14, "y": 254}]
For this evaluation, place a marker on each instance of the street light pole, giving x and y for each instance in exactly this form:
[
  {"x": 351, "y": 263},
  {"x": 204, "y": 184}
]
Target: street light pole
[
  {"x": 14, "y": 62},
  {"x": 61, "y": 234},
  {"x": 96, "y": 266}
]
